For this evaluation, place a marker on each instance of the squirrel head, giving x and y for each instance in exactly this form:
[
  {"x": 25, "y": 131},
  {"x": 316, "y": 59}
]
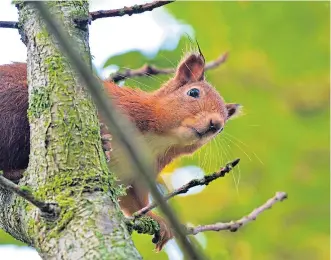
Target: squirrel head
[
  {"x": 190, "y": 109},
  {"x": 181, "y": 116}
]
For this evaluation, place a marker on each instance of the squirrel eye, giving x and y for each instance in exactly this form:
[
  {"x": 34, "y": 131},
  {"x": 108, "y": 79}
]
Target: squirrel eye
[{"x": 194, "y": 92}]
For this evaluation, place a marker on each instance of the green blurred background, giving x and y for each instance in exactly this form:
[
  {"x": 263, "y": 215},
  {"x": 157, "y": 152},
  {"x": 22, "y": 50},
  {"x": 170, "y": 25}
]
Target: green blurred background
[{"x": 278, "y": 69}]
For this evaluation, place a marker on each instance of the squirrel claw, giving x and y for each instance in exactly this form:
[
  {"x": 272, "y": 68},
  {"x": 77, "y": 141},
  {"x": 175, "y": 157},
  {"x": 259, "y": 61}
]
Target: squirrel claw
[
  {"x": 164, "y": 235},
  {"x": 107, "y": 154},
  {"x": 106, "y": 141},
  {"x": 106, "y": 146}
]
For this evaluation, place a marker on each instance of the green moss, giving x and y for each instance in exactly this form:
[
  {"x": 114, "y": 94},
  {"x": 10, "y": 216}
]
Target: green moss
[
  {"x": 26, "y": 189},
  {"x": 31, "y": 227},
  {"x": 144, "y": 225},
  {"x": 76, "y": 4},
  {"x": 42, "y": 36},
  {"x": 17, "y": 2},
  {"x": 102, "y": 246},
  {"x": 79, "y": 13},
  {"x": 39, "y": 102}
]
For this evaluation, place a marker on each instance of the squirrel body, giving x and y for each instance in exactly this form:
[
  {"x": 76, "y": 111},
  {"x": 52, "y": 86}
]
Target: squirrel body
[{"x": 177, "y": 119}]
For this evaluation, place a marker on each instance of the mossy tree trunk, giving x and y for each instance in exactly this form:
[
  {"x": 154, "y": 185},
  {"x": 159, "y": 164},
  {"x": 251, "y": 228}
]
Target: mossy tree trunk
[{"x": 67, "y": 165}]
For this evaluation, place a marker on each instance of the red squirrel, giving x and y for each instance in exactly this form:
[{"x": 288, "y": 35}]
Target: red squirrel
[{"x": 177, "y": 119}]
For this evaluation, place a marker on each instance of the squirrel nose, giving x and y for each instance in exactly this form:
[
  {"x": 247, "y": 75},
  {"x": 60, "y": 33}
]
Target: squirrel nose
[{"x": 215, "y": 126}]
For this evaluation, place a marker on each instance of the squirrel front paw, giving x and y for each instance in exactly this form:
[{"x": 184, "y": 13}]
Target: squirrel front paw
[
  {"x": 165, "y": 233},
  {"x": 13, "y": 175}
]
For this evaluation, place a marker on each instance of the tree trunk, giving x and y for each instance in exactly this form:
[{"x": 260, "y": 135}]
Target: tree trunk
[{"x": 67, "y": 164}]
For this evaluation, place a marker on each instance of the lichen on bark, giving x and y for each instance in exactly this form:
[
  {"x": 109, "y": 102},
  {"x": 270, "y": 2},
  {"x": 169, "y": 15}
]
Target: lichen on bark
[{"x": 67, "y": 165}]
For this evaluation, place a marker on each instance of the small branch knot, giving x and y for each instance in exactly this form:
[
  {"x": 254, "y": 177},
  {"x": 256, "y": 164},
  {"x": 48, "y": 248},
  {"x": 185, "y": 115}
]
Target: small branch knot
[
  {"x": 50, "y": 212},
  {"x": 144, "y": 225}
]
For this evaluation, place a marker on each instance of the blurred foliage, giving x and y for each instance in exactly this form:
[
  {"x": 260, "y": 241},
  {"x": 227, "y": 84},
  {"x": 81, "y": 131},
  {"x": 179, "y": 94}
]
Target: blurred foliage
[{"x": 278, "y": 69}]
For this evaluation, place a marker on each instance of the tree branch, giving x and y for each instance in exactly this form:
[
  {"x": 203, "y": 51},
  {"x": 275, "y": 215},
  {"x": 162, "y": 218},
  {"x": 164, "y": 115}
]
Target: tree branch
[
  {"x": 8, "y": 24},
  {"x": 144, "y": 225},
  {"x": 136, "y": 9},
  {"x": 49, "y": 210},
  {"x": 193, "y": 183},
  {"x": 235, "y": 225},
  {"x": 147, "y": 226},
  {"x": 152, "y": 70}
]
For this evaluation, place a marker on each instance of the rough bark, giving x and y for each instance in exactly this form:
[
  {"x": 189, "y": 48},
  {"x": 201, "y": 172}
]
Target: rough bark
[{"x": 67, "y": 165}]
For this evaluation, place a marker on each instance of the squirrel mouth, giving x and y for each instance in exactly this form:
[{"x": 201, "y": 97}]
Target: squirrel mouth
[{"x": 199, "y": 134}]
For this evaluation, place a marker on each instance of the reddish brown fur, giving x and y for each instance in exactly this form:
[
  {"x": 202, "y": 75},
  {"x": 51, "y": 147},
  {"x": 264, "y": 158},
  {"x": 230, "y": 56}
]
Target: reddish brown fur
[
  {"x": 168, "y": 112},
  {"x": 14, "y": 127}
]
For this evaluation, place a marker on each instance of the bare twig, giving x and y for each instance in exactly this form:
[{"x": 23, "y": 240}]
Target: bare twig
[
  {"x": 8, "y": 24},
  {"x": 193, "y": 183},
  {"x": 138, "y": 152},
  {"x": 147, "y": 226},
  {"x": 136, "y": 9},
  {"x": 49, "y": 210},
  {"x": 235, "y": 225},
  {"x": 152, "y": 70},
  {"x": 215, "y": 63},
  {"x": 143, "y": 71}
]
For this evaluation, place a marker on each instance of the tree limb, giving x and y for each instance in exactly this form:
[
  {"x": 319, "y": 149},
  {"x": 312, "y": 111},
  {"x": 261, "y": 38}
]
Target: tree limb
[
  {"x": 49, "y": 210},
  {"x": 136, "y": 9},
  {"x": 147, "y": 226},
  {"x": 152, "y": 70},
  {"x": 193, "y": 183},
  {"x": 235, "y": 225},
  {"x": 8, "y": 24}
]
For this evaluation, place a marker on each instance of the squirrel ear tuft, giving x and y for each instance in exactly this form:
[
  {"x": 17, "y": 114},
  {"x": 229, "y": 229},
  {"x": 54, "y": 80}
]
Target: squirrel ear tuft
[
  {"x": 191, "y": 69},
  {"x": 233, "y": 110}
]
